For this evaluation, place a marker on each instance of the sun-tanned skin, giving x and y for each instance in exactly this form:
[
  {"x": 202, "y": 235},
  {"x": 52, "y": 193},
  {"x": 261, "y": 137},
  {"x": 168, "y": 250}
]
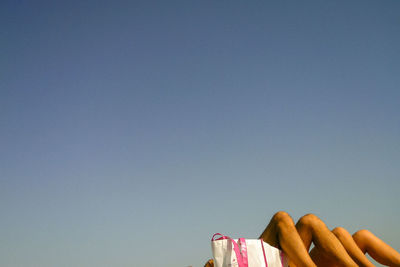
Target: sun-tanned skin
[
  {"x": 331, "y": 248},
  {"x": 356, "y": 245}
]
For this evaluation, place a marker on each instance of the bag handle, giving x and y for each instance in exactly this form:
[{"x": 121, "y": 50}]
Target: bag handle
[
  {"x": 239, "y": 256},
  {"x": 243, "y": 250},
  {"x": 218, "y": 234}
]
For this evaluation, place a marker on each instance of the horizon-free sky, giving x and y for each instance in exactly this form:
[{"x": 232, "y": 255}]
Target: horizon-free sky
[{"x": 131, "y": 131}]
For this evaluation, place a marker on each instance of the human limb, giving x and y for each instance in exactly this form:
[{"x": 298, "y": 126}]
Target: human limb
[
  {"x": 351, "y": 247},
  {"x": 281, "y": 233},
  {"x": 329, "y": 250},
  {"x": 360, "y": 243},
  {"x": 376, "y": 248}
]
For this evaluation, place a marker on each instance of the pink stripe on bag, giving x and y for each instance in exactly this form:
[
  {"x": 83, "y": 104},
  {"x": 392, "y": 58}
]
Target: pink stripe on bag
[
  {"x": 235, "y": 248},
  {"x": 243, "y": 250},
  {"x": 281, "y": 253},
  {"x": 265, "y": 257}
]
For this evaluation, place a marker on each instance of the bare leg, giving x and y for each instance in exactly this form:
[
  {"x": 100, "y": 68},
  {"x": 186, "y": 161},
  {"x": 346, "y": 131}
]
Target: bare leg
[
  {"x": 281, "y": 233},
  {"x": 351, "y": 247},
  {"x": 330, "y": 250},
  {"x": 379, "y": 250}
]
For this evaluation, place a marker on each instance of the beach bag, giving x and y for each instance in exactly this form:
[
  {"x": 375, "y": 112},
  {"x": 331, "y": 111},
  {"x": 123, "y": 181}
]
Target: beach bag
[{"x": 228, "y": 252}]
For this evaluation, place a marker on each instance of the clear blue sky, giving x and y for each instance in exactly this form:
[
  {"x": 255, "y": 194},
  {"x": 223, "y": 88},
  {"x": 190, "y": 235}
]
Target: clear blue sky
[{"x": 131, "y": 131}]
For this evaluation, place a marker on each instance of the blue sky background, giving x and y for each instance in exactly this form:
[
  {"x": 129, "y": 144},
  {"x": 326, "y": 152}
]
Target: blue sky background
[{"x": 131, "y": 131}]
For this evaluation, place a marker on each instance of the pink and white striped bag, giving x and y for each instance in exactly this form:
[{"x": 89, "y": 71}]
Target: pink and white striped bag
[{"x": 228, "y": 252}]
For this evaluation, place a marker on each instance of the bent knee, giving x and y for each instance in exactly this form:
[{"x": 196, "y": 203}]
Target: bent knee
[
  {"x": 282, "y": 217},
  {"x": 361, "y": 235},
  {"x": 361, "y": 238},
  {"x": 340, "y": 232},
  {"x": 309, "y": 220}
]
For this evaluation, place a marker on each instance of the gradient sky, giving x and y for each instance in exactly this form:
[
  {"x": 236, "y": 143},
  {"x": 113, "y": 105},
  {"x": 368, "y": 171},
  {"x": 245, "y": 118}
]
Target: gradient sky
[{"x": 131, "y": 131}]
